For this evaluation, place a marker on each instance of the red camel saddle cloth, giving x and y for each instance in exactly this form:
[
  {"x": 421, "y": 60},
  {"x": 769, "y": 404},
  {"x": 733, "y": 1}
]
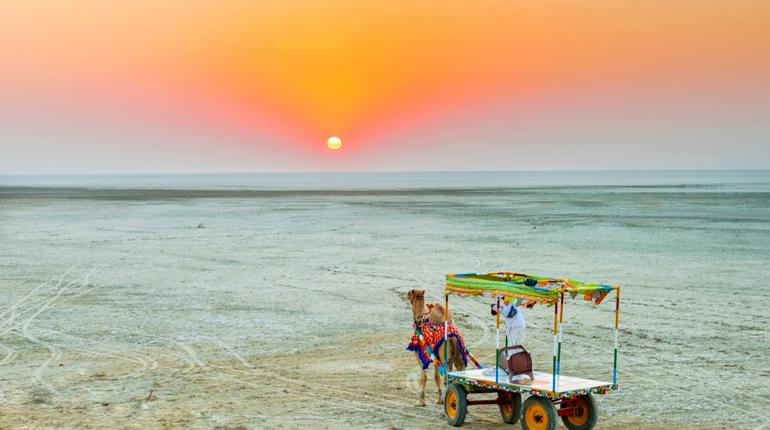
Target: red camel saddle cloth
[{"x": 434, "y": 338}]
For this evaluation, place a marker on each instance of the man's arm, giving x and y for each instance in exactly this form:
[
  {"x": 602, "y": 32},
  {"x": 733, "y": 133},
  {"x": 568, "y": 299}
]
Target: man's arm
[{"x": 509, "y": 310}]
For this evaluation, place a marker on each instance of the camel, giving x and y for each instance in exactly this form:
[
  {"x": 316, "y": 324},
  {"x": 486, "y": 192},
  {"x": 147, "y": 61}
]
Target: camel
[{"x": 434, "y": 313}]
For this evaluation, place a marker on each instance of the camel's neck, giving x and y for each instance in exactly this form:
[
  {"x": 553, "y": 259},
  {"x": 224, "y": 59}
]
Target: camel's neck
[{"x": 418, "y": 309}]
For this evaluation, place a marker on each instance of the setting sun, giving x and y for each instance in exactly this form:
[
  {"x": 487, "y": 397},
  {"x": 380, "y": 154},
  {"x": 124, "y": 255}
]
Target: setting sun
[{"x": 334, "y": 143}]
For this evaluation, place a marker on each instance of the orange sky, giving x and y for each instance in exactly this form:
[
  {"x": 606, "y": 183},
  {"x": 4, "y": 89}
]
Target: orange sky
[{"x": 297, "y": 71}]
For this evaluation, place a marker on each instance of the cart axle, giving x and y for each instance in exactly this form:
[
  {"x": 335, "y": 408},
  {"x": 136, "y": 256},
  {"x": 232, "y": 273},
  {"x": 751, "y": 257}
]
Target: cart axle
[{"x": 483, "y": 402}]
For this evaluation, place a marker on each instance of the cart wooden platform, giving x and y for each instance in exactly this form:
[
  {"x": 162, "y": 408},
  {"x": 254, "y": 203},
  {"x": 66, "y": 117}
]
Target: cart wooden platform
[{"x": 567, "y": 387}]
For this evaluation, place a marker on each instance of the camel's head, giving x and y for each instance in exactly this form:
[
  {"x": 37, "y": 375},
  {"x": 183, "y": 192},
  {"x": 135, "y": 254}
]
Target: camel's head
[{"x": 417, "y": 299}]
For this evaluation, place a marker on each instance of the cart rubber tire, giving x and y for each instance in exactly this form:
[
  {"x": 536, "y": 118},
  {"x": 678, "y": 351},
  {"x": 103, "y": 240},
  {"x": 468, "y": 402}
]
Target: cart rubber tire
[
  {"x": 586, "y": 418},
  {"x": 455, "y": 405},
  {"x": 510, "y": 406},
  {"x": 538, "y": 413}
]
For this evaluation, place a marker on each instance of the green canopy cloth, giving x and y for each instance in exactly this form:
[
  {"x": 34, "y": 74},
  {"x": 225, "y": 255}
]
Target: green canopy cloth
[{"x": 518, "y": 285}]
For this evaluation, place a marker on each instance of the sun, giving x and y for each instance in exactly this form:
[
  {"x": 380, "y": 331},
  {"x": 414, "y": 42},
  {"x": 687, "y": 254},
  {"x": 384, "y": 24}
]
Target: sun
[{"x": 334, "y": 143}]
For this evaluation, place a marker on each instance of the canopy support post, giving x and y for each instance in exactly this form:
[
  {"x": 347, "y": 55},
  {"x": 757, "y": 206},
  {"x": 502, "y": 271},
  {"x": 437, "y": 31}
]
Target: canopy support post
[
  {"x": 555, "y": 342},
  {"x": 446, "y": 333},
  {"x": 561, "y": 323},
  {"x": 615, "y": 353},
  {"x": 497, "y": 343}
]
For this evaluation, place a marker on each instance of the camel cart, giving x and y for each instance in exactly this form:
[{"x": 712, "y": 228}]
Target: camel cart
[{"x": 550, "y": 394}]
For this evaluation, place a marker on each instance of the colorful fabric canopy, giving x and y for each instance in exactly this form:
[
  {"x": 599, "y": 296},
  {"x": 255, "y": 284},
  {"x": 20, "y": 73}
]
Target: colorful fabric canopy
[{"x": 542, "y": 289}]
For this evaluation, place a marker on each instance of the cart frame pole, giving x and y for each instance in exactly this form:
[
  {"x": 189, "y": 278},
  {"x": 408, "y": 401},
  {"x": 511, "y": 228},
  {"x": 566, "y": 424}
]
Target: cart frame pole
[
  {"x": 446, "y": 333},
  {"x": 497, "y": 343},
  {"x": 555, "y": 342},
  {"x": 561, "y": 324},
  {"x": 473, "y": 358},
  {"x": 615, "y": 353}
]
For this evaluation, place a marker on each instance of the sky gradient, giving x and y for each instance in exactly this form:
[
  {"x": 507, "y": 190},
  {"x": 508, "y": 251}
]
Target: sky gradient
[{"x": 204, "y": 86}]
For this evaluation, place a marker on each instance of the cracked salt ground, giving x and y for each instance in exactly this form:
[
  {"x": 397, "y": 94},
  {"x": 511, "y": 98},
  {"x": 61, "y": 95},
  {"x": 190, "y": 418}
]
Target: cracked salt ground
[{"x": 119, "y": 312}]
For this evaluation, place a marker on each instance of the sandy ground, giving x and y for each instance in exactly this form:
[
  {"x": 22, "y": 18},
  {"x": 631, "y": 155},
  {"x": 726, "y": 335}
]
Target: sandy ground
[
  {"x": 287, "y": 310},
  {"x": 318, "y": 389}
]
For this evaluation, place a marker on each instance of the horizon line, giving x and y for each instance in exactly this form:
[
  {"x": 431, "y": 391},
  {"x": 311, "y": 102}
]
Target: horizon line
[{"x": 310, "y": 172}]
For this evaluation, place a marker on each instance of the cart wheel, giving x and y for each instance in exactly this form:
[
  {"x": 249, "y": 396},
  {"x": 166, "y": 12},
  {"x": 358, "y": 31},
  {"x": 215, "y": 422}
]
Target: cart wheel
[
  {"x": 510, "y": 406},
  {"x": 538, "y": 414},
  {"x": 455, "y": 405},
  {"x": 585, "y": 414}
]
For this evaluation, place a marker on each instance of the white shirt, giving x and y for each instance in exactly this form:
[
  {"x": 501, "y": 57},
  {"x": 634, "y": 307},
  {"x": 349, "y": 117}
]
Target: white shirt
[{"x": 516, "y": 320}]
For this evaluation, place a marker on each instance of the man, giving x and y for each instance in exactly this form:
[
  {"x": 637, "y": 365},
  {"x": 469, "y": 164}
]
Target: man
[{"x": 514, "y": 319}]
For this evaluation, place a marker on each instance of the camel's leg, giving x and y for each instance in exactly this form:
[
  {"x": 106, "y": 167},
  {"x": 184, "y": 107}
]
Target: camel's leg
[
  {"x": 439, "y": 384},
  {"x": 450, "y": 354},
  {"x": 457, "y": 357},
  {"x": 437, "y": 377},
  {"x": 423, "y": 382}
]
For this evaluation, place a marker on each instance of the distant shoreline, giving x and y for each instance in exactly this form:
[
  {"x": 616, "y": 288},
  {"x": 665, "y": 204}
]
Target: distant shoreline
[
  {"x": 460, "y": 181},
  {"x": 138, "y": 194}
]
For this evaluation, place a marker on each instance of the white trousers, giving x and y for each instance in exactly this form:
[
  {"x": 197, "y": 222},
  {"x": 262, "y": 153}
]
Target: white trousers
[{"x": 515, "y": 335}]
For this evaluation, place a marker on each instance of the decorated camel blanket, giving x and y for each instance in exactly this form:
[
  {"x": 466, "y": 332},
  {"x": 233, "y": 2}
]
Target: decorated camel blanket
[{"x": 434, "y": 336}]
